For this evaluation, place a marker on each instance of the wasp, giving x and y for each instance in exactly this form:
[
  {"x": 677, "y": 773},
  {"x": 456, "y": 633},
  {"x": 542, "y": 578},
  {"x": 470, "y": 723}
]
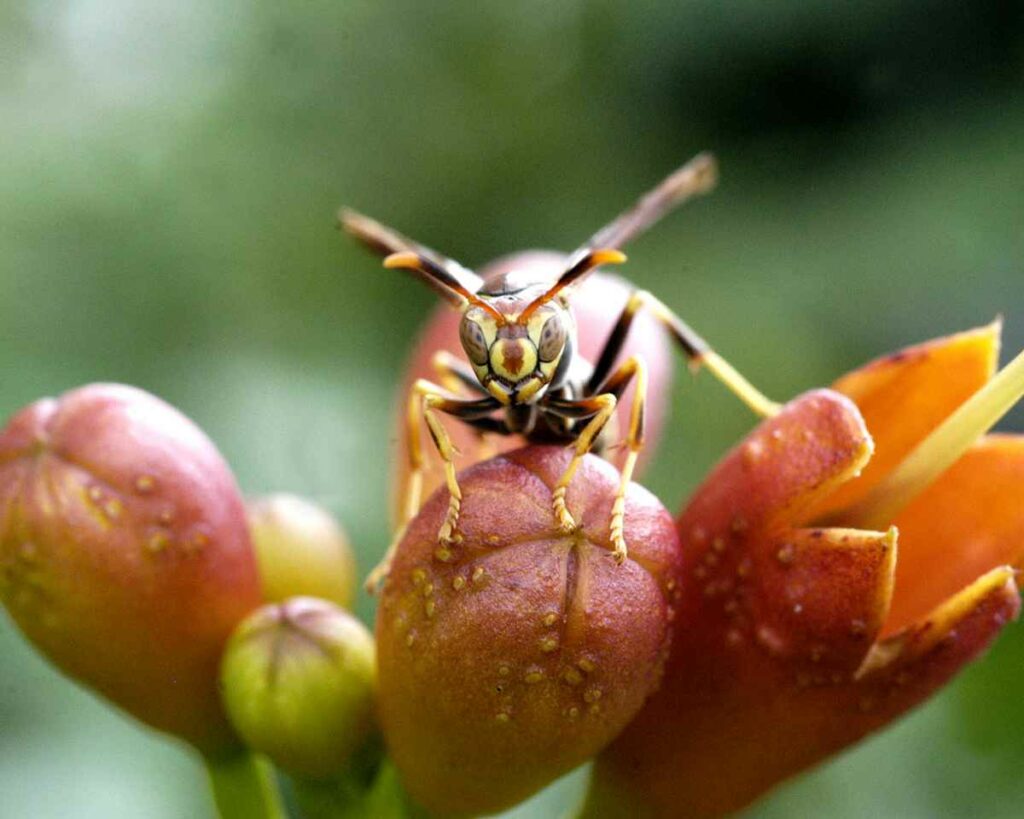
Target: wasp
[{"x": 519, "y": 335}]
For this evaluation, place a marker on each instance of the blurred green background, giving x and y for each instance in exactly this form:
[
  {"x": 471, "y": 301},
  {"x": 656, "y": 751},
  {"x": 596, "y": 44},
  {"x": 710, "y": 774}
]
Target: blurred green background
[{"x": 169, "y": 175}]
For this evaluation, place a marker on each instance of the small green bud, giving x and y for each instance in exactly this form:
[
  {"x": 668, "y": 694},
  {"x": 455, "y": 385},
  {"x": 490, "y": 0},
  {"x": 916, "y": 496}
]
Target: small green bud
[
  {"x": 298, "y": 682},
  {"x": 301, "y": 550}
]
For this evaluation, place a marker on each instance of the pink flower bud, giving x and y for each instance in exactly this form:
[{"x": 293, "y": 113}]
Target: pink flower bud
[
  {"x": 510, "y": 658},
  {"x": 124, "y": 552}
]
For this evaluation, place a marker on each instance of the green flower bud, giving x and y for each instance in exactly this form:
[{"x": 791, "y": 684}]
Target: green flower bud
[
  {"x": 301, "y": 550},
  {"x": 298, "y": 683}
]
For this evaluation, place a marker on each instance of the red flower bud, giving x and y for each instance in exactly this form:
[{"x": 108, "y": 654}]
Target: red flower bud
[
  {"x": 512, "y": 657},
  {"x": 124, "y": 552}
]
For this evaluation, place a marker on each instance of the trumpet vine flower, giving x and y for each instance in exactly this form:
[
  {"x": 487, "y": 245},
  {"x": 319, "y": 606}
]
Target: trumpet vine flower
[{"x": 840, "y": 566}]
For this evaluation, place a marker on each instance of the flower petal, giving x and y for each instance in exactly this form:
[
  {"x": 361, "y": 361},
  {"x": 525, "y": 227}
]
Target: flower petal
[
  {"x": 968, "y": 522},
  {"x": 733, "y": 748},
  {"x": 904, "y": 396},
  {"x": 903, "y": 669},
  {"x": 786, "y": 464},
  {"x": 772, "y": 621}
]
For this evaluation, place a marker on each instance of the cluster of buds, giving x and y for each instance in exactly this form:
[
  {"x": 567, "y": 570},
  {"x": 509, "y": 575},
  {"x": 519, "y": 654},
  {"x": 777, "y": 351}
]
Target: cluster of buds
[{"x": 835, "y": 569}]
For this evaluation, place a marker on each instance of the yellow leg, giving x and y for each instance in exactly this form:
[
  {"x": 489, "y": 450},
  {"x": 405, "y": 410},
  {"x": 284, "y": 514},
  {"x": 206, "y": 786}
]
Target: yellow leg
[
  {"x": 701, "y": 354},
  {"x": 693, "y": 346},
  {"x": 604, "y": 405},
  {"x": 424, "y": 398},
  {"x": 635, "y": 369},
  {"x": 447, "y": 368},
  {"x": 454, "y": 375},
  {"x": 447, "y": 451}
]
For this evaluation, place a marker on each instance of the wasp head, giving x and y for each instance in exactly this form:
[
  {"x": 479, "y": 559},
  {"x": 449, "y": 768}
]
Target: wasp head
[
  {"x": 515, "y": 356},
  {"x": 519, "y": 338}
]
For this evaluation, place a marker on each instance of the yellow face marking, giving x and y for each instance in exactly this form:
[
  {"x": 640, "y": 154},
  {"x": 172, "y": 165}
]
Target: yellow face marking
[{"x": 513, "y": 358}]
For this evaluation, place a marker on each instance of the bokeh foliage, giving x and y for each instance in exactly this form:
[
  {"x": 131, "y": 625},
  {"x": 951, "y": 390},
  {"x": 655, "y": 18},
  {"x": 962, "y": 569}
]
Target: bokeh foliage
[{"x": 168, "y": 179}]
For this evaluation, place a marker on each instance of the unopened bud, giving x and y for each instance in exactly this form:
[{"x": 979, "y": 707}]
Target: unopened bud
[
  {"x": 298, "y": 684},
  {"x": 124, "y": 552},
  {"x": 302, "y": 550},
  {"x": 515, "y": 654}
]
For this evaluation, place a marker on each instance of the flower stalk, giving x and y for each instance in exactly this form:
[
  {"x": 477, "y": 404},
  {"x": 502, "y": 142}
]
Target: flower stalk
[{"x": 244, "y": 788}]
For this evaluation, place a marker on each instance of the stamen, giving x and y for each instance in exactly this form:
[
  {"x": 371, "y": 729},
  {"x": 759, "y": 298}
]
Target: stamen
[{"x": 940, "y": 450}]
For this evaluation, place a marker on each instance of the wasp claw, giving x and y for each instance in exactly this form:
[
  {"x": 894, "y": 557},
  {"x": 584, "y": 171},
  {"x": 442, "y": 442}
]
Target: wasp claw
[
  {"x": 621, "y": 552},
  {"x": 447, "y": 535},
  {"x": 566, "y": 522},
  {"x": 615, "y": 530},
  {"x": 376, "y": 579}
]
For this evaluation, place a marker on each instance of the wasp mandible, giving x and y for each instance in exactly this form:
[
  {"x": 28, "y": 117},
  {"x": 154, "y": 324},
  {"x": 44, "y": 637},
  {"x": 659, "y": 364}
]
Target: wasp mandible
[{"x": 519, "y": 334}]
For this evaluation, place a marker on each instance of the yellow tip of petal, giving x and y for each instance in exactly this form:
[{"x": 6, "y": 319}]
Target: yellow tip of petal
[{"x": 941, "y": 622}]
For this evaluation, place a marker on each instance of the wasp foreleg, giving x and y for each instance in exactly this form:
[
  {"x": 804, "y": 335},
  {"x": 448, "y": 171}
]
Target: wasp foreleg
[
  {"x": 599, "y": 408},
  {"x": 426, "y": 399}
]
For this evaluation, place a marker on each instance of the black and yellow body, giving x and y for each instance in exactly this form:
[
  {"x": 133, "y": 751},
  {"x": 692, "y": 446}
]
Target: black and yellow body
[{"x": 523, "y": 374}]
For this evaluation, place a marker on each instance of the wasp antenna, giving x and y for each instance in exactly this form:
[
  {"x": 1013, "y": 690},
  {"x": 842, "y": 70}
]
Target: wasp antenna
[
  {"x": 441, "y": 279},
  {"x": 696, "y": 177},
  {"x": 584, "y": 261},
  {"x": 386, "y": 241}
]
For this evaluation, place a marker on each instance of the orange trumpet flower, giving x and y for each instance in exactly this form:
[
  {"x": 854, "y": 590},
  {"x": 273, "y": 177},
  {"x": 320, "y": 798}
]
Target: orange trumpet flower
[{"x": 823, "y": 594}]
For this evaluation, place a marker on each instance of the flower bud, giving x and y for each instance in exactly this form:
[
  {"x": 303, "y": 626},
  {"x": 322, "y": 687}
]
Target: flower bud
[
  {"x": 513, "y": 656},
  {"x": 298, "y": 681},
  {"x": 124, "y": 552},
  {"x": 301, "y": 550}
]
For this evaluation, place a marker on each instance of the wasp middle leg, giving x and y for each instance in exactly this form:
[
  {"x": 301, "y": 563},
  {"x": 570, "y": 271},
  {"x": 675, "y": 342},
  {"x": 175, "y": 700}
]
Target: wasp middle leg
[{"x": 601, "y": 407}]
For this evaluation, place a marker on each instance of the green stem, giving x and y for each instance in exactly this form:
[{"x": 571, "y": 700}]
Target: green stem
[{"x": 244, "y": 787}]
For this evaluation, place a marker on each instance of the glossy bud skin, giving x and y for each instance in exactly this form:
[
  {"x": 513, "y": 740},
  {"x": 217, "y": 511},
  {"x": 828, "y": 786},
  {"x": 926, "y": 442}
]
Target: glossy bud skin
[
  {"x": 510, "y": 658},
  {"x": 298, "y": 680},
  {"x": 302, "y": 551},
  {"x": 596, "y": 303},
  {"x": 124, "y": 553}
]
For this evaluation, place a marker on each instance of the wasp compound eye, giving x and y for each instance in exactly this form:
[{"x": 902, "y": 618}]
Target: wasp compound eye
[
  {"x": 473, "y": 341},
  {"x": 552, "y": 339}
]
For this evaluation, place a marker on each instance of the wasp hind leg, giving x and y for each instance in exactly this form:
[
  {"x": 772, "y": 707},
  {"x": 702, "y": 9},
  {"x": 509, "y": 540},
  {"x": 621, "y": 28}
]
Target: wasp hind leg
[
  {"x": 695, "y": 348},
  {"x": 426, "y": 399}
]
